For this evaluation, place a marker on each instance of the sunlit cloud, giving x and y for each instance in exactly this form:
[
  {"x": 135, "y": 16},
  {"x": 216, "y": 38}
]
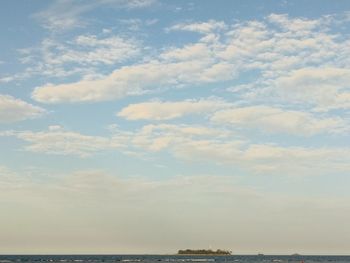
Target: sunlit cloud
[
  {"x": 13, "y": 109},
  {"x": 159, "y": 110}
]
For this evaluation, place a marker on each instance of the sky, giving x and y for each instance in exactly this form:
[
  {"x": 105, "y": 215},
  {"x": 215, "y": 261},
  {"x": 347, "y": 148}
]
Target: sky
[{"x": 148, "y": 126}]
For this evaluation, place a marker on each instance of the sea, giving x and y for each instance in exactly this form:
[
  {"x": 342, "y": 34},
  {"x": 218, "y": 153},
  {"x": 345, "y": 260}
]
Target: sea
[{"x": 170, "y": 258}]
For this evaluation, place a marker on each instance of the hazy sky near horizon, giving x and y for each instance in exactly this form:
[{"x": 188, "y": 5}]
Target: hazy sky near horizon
[{"x": 148, "y": 126}]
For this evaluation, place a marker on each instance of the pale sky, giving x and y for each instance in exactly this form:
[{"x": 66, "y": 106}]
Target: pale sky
[{"x": 148, "y": 126}]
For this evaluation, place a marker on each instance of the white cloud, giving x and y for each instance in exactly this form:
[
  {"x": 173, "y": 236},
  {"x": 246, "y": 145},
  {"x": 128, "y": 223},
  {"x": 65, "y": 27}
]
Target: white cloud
[
  {"x": 136, "y": 24},
  {"x": 224, "y": 147},
  {"x": 133, "y": 24},
  {"x": 201, "y": 27},
  {"x": 297, "y": 25},
  {"x": 262, "y": 158},
  {"x": 175, "y": 67},
  {"x": 65, "y": 14},
  {"x": 138, "y": 3},
  {"x": 9, "y": 179},
  {"x": 301, "y": 61},
  {"x": 83, "y": 55},
  {"x": 167, "y": 136},
  {"x": 61, "y": 142},
  {"x": 7, "y": 79},
  {"x": 188, "y": 52},
  {"x": 194, "y": 143},
  {"x": 165, "y": 110},
  {"x": 296, "y": 161},
  {"x": 245, "y": 41},
  {"x": 277, "y": 120},
  {"x": 266, "y": 159},
  {"x": 222, "y": 54},
  {"x": 109, "y": 50},
  {"x": 62, "y": 15},
  {"x": 12, "y": 109},
  {"x": 325, "y": 88},
  {"x": 136, "y": 79}
]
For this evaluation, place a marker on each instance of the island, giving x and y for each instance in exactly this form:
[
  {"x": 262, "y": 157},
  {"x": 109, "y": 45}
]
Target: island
[{"x": 218, "y": 252}]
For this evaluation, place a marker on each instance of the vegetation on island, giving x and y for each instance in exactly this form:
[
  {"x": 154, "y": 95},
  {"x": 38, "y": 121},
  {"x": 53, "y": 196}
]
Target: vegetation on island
[{"x": 203, "y": 252}]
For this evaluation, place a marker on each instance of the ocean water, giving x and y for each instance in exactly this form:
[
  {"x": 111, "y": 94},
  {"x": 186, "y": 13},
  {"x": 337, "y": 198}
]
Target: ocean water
[{"x": 170, "y": 258}]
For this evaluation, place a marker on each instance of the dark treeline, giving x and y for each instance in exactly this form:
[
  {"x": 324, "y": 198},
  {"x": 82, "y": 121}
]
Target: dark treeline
[{"x": 203, "y": 252}]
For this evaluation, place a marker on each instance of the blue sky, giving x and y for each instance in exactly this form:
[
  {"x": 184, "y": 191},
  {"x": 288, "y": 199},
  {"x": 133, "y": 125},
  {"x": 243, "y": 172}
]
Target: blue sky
[{"x": 137, "y": 126}]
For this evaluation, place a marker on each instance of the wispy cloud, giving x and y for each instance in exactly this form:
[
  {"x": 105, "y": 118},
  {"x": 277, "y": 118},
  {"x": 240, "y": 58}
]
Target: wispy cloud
[
  {"x": 83, "y": 55},
  {"x": 325, "y": 88},
  {"x": 166, "y": 110},
  {"x": 199, "y": 27},
  {"x": 67, "y": 14},
  {"x": 276, "y": 120},
  {"x": 225, "y": 147},
  {"x": 12, "y": 109},
  {"x": 282, "y": 58},
  {"x": 58, "y": 141},
  {"x": 197, "y": 143}
]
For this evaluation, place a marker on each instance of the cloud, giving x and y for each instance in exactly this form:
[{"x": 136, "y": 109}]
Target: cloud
[
  {"x": 193, "y": 143},
  {"x": 138, "y": 3},
  {"x": 166, "y": 110},
  {"x": 9, "y": 178},
  {"x": 296, "y": 161},
  {"x": 296, "y": 25},
  {"x": 269, "y": 49},
  {"x": 325, "y": 88},
  {"x": 160, "y": 137},
  {"x": 112, "y": 87},
  {"x": 188, "y": 52},
  {"x": 133, "y": 24},
  {"x": 276, "y": 120},
  {"x": 12, "y": 110},
  {"x": 307, "y": 67},
  {"x": 108, "y": 50},
  {"x": 58, "y": 141},
  {"x": 82, "y": 55},
  {"x": 318, "y": 89},
  {"x": 226, "y": 148},
  {"x": 7, "y": 79},
  {"x": 263, "y": 158},
  {"x": 200, "y": 27},
  {"x": 64, "y": 15},
  {"x": 135, "y": 79}
]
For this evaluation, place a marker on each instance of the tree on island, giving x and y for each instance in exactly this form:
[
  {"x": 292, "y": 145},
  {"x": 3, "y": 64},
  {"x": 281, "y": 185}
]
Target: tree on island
[{"x": 204, "y": 252}]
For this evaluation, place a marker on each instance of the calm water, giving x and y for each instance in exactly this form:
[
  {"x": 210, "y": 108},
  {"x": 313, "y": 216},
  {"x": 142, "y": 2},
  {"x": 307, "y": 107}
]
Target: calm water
[{"x": 170, "y": 258}]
